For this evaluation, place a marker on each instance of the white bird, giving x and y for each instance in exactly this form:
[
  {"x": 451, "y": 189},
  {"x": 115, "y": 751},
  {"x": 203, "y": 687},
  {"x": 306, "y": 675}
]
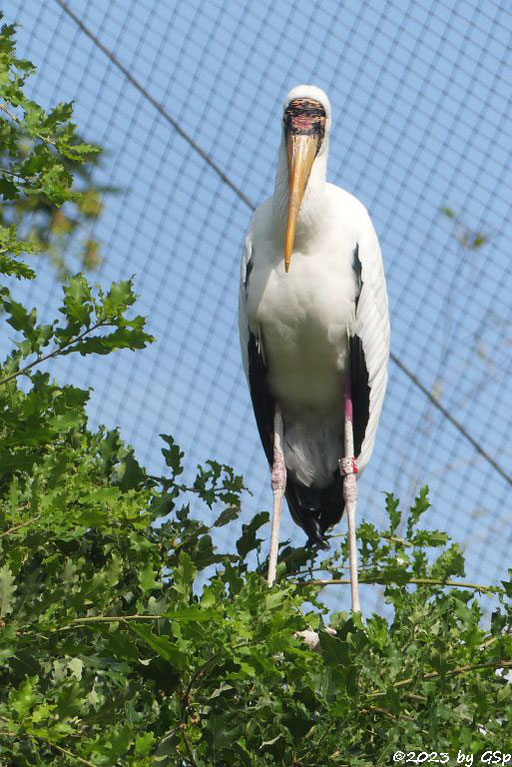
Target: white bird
[{"x": 314, "y": 324}]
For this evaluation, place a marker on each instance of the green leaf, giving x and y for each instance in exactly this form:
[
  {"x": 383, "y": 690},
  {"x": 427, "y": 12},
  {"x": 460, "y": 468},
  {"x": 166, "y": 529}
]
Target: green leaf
[
  {"x": 24, "y": 697},
  {"x": 144, "y": 744},
  {"x": 184, "y": 574},
  {"x": 59, "y": 114},
  {"x": 248, "y": 540},
  {"x": 19, "y": 317},
  {"x": 228, "y": 515},
  {"x": 449, "y": 563},
  {"x": 162, "y": 646},
  {"x": 118, "y": 299},
  {"x": 130, "y": 473},
  {"x": 173, "y": 455},
  {"x": 335, "y": 651},
  {"x": 34, "y": 115},
  {"x": 9, "y": 644},
  {"x": 7, "y": 590},
  {"x": 13, "y": 268},
  {"x": 122, "y": 338},
  {"x": 395, "y": 573},
  {"x": 507, "y": 585},
  {"x": 55, "y": 184},
  {"x": 419, "y": 507},
  {"x": 148, "y": 578},
  {"x": 429, "y": 538},
  {"x": 393, "y": 700},
  {"x": 393, "y": 512},
  {"x": 77, "y": 306},
  {"x": 8, "y": 188}
]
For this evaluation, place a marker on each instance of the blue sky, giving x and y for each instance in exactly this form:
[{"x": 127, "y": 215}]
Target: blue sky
[{"x": 421, "y": 109}]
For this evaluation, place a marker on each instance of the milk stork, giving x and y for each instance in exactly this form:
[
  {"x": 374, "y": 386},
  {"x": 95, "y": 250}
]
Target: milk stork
[{"x": 314, "y": 330}]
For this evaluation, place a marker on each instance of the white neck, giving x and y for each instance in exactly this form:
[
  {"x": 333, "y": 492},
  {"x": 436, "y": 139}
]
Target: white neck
[{"x": 313, "y": 207}]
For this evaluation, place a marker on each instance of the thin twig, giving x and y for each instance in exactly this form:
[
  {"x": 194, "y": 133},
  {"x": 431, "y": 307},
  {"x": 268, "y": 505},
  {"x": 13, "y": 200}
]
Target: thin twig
[
  {"x": 113, "y": 619},
  {"x": 48, "y": 743},
  {"x": 384, "y": 711},
  {"x": 189, "y": 750},
  {"x": 88, "y": 619},
  {"x": 416, "y": 581},
  {"x": 449, "y": 672},
  {"x": 17, "y": 120},
  {"x": 197, "y": 674},
  {"x": 11, "y": 174},
  {"x": 10, "y": 114},
  {"x": 42, "y": 357},
  {"x": 19, "y": 525},
  {"x": 316, "y": 746},
  {"x": 63, "y": 750},
  {"x": 326, "y": 732},
  {"x": 419, "y": 698},
  {"x": 327, "y": 568}
]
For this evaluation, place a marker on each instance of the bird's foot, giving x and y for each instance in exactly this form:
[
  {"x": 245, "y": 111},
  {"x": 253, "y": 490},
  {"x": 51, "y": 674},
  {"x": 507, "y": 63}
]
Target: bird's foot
[
  {"x": 317, "y": 543},
  {"x": 316, "y": 538}
]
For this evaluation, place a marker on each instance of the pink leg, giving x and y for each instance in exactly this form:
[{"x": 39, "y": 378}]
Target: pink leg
[
  {"x": 278, "y": 489},
  {"x": 348, "y": 468}
]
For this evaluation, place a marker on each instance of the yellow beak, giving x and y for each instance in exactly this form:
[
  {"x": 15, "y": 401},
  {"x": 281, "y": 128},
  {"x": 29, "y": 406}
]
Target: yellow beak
[{"x": 302, "y": 151}]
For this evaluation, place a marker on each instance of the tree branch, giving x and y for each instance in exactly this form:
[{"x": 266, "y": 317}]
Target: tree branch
[
  {"x": 87, "y": 619},
  {"x": 18, "y": 122},
  {"x": 189, "y": 750},
  {"x": 449, "y": 672},
  {"x": 48, "y": 743},
  {"x": 62, "y": 750},
  {"x": 416, "y": 581},
  {"x": 42, "y": 357},
  {"x": 113, "y": 619},
  {"x": 19, "y": 525}
]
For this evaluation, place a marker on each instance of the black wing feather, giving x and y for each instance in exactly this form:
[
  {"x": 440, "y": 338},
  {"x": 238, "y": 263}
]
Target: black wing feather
[
  {"x": 360, "y": 392},
  {"x": 358, "y": 371},
  {"x": 262, "y": 401}
]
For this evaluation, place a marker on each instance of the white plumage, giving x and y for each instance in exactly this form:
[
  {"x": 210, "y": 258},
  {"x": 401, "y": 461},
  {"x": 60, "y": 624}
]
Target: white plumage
[{"x": 301, "y": 320}]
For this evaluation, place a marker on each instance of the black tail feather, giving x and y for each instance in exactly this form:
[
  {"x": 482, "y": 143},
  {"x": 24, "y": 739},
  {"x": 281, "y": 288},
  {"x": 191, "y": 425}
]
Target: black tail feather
[{"x": 316, "y": 509}]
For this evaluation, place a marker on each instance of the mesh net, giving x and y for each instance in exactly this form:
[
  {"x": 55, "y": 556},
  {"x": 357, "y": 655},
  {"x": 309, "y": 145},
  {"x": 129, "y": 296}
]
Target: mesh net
[{"x": 421, "y": 116}]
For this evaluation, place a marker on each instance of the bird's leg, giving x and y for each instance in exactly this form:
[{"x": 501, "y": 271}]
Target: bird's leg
[
  {"x": 278, "y": 489},
  {"x": 348, "y": 468}
]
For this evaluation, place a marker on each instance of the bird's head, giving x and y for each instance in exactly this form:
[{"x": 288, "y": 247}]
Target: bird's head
[{"x": 306, "y": 121}]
